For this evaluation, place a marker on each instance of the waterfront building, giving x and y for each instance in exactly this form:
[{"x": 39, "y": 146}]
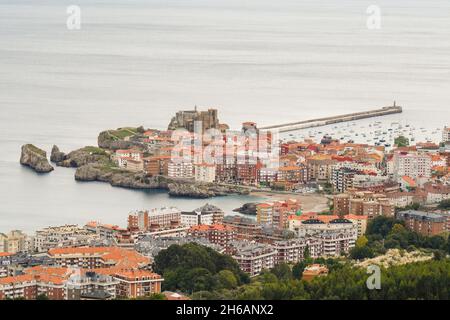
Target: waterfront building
[
  {"x": 157, "y": 165},
  {"x": 63, "y": 236},
  {"x": 155, "y": 219},
  {"x": 276, "y": 214},
  {"x": 181, "y": 170},
  {"x": 205, "y": 172}
]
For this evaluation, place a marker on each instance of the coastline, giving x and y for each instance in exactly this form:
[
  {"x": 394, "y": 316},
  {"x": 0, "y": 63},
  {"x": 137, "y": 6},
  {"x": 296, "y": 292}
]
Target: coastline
[{"x": 313, "y": 202}]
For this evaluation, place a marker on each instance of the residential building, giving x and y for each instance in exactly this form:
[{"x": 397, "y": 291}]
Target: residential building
[
  {"x": 205, "y": 172},
  {"x": 97, "y": 257},
  {"x": 216, "y": 233},
  {"x": 425, "y": 223},
  {"x": 246, "y": 228},
  {"x": 412, "y": 164},
  {"x": 207, "y": 215},
  {"x": 181, "y": 170},
  {"x": 137, "y": 283},
  {"x": 276, "y": 214},
  {"x": 253, "y": 258},
  {"x": 155, "y": 219},
  {"x": 63, "y": 236}
]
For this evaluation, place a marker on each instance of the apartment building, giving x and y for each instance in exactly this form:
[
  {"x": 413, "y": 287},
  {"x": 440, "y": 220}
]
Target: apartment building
[
  {"x": 104, "y": 231},
  {"x": 154, "y": 219},
  {"x": 275, "y": 214},
  {"x": 207, "y": 215},
  {"x": 319, "y": 167},
  {"x": 366, "y": 203},
  {"x": 290, "y": 251},
  {"x": 412, "y": 164},
  {"x": 337, "y": 236},
  {"x": 205, "y": 172},
  {"x": 425, "y": 223},
  {"x": 157, "y": 165},
  {"x": 137, "y": 283},
  {"x": 181, "y": 170},
  {"x": 97, "y": 257},
  {"x": 359, "y": 221},
  {"x": 246, "y": 228},
  {"x": 446, "y": 135},
  {"x": 253, "y": 258},
  {"x": 63, "y": 236},
  {"x": 215, "y": 233},
  {"x": 15, "y": 241}
]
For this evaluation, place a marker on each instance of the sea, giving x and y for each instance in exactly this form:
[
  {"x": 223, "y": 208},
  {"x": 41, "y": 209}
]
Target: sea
[{"x": 137, "y": 62}]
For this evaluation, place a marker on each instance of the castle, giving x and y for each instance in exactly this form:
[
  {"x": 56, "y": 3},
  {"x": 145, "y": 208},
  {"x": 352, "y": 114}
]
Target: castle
[{"x": 187, "y": 119}]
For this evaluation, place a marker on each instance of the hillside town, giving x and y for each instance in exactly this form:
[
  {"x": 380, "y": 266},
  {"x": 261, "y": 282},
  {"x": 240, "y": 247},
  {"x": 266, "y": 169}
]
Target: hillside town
[{"x": 362, "y": 181}]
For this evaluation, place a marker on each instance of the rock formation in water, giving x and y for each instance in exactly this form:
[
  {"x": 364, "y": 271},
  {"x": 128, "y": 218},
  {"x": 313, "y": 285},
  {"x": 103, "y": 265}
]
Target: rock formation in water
[
  {"x": 35, "y": 158},
  {"x": 127, "y": 179},
  {"x": 247, "y": 208},
  {"x": 79, "y": 157},
  {"x": 57, "y": 156}
]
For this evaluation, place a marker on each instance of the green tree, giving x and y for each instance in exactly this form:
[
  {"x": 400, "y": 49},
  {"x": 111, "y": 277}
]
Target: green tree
[
  {"x": 444, "y": 204},
  {"x": 226, "y": 279},
  {"x": 401, "y": 141},
  {"x": 297, "y": 269},
  {"x": 361, "y": 242},
  {"x": 282, "y": 271}
]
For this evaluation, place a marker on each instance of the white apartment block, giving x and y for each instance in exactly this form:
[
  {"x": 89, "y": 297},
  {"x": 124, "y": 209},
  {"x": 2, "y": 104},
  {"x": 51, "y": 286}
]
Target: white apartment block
[
  {"x": 195, "y": 218},
  {"x": 205, "y": 172},
  {"x": 411, "y": 164},
  {"x": 446, "y": 135},
  {"x": 181, "y": 170}
]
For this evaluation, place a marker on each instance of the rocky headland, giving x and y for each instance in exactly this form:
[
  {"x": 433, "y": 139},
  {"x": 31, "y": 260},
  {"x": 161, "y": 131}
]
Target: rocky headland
[
  {"x": 35, "y": 158},
  {"x": 96, "y": 164},
  {"x": 176, "y": 187},
  {"x": 247, "y": 208}
]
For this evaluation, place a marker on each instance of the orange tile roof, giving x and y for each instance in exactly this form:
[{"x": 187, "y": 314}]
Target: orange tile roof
[
  {"x": 409, "y": 180},
  {"x": 16, "y": 279},
  {"x": 5, "y": 254},
  {"x": 119, "y": 257}
]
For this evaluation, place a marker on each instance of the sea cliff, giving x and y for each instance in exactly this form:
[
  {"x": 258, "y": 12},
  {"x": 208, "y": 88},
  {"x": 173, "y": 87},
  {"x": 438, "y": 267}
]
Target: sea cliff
[{"x": 35, "y": 158}]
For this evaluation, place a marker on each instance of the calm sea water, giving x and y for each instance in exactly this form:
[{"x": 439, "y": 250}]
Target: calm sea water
[{"x": 139, "y": 61}]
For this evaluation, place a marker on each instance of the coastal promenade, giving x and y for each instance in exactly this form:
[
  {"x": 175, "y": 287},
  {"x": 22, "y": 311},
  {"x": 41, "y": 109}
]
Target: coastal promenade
[{"x": 292, "y": 126}]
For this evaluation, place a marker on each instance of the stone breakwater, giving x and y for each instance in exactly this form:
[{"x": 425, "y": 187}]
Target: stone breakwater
[{"x": 35, "y": 158}]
